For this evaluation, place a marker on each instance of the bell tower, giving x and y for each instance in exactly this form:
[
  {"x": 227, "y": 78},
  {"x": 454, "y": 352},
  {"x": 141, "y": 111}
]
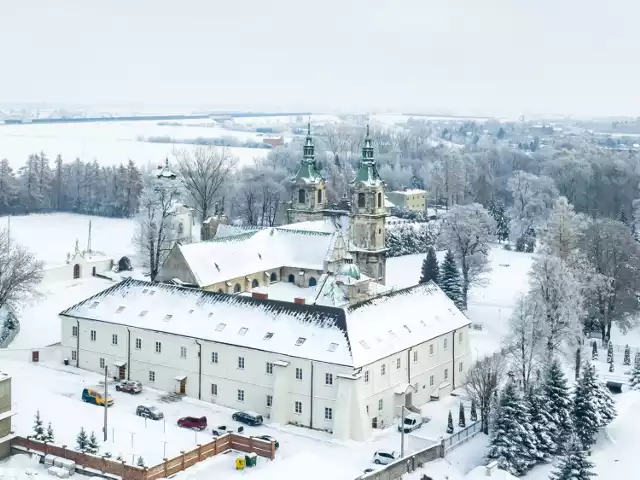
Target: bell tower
[
  {"x": 308, "y": 187},
  {"x": 368, "y": 216}
]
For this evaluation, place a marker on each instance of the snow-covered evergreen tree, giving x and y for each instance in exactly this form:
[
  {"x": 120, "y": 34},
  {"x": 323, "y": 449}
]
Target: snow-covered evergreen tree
[
  {"x": 540, "y": 421},
  {"x": 49, "y": 436},
  {"x": 611, "y": 367},
  {"x": 594, "y": 350},
  {"x": 461, "y": 419},
  {"x": 610, "y": 353},
  {"x": 38, "y": 428},
  {"x": 636, "y": 360},
  {"x": 430, "y": 269},
  {"x": 586, "y": 412},
  {"x": 140, "y": 462},
  {"x": 557, "y": 404},
  {"x": 450, "y": 423},
  {"x": 498, "y": 213},
  {"x": 82, "y": 440},
  {"x": 450, "y": 282},
  {"x": 634, "y": 380},
  {"x": 606, "y": 405},
  {"x": 627, "y": 355},
  {"x": 574, "y": 464},
  {"x": 473, "y": 415},
  {"x": 92, "y": 445},
  {"x": 513, "y": 440}
]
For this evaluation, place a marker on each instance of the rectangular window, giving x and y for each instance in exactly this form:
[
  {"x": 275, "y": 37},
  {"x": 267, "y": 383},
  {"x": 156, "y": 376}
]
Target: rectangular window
[
  {"x": 366, "y": 376},
  {"x": 93, "y": 335},
  {"x": 114, "y": 339},
  {"x": 214, "y": 389},
  {"x": 328, "y": 379},
  {"x": 460, "y": 337},
  {"x": 269, "y": 368},
  {"x": 152, "y": 376},
  {"x": 415, "y": 356},
  {"x": 297, "y": 407},
  {"x": 445, "y": 343},
  {"x": 241, "y": 395},
  {"x": 367, "y": 409},
  {"x": 298, "y": 374},
  {"x": 328, "y": 413},
  {"x": 383, "y": 369},
  {"x": 74, "y": 355},
  {"x": 431, "y": 349},
  {"x": 380, "y": 404},
  {"x": 446, "y": 373},
  {"x": 214, "y": 357},
  {"x": 460, "y": 367},
  {"x": 74, "y": 331},
  {"x": 138, "y": 344},
  {"x": 269, "y": 401},
  {"x": 241, "y": 363},
  {"x": 183, "y": 352},
  {"x": 431, "y": 381},
  {"x": 102, "y": 363},
  {"x": 398, "y": 363},
  {"x": 158, "y": 347}
]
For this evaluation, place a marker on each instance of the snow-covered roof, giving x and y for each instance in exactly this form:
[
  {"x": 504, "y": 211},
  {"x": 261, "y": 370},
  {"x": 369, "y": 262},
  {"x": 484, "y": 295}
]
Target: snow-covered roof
[
  {"x": 326, "y": 225},
  {"x": 358, "y": 336},
  {"x": 480, "y": 473},
  {"x": 410, "y": 191}
]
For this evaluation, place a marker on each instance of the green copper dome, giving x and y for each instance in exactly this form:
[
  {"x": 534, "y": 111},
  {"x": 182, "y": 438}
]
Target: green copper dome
[{"x": 350, "y": 270}]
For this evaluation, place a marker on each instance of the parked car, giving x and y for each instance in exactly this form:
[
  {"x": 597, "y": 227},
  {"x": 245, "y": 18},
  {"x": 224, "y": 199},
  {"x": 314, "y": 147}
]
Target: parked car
[
  {"x": 149, "y": 411},
  {"x": 221, "y": 430},
  {"x": 129, "y": 386},
  {"x": 92, "y": 395},
  {"x": 412, "y": 422},
  {"x": 385, "y": 457},
  {"x": 196, "y": 423},
  {"x": 248, "y": 418},
  {"x": 267, "y": 438}
]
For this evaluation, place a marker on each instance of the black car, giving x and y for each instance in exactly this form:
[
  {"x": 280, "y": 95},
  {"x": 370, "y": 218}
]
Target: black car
[
  {"x": 248, "y": 418},
  {"x": 267, "y": 438},
  {"x": 149, "y": 412}
]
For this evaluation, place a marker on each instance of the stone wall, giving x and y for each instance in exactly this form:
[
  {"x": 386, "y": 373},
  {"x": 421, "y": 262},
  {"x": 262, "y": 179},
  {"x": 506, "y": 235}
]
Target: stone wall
[{"x": 407, "y": 464}]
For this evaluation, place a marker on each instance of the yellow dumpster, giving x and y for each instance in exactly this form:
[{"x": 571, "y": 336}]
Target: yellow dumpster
[{"x": 240, "y": 463}]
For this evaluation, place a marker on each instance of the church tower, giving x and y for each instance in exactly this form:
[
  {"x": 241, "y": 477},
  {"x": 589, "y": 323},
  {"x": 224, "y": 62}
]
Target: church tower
[
  {"x": 368, "y": 215},
  {"x": 309, "y": 192}
]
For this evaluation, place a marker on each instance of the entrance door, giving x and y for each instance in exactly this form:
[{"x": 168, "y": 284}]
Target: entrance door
[
  {"x": 374, "y": 422},
  {"x": 35, "y": 356},
  {"x": 76, "y": 271},
  {"x": 122, "y": 370},
  {"x": 183, "y": 386},
  {"x": 408, "y": 399}
]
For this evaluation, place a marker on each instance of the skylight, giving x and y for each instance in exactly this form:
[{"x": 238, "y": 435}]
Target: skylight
[
  {"x": 190, "y": 311},
  {"x": 220, "y": 327},
  {"x": 300, "y": 341},
  {"x": 392, "y": 333},
  {"x": 364, "y": 344},
  {"x": 267, "y": 335},
  {"x": 242, "y": 331},
  {"x": 167, "y": 318},
  {"x": 94, "y": 304},
  {"x": 152, "y": 292},
  {"x": 210, "y": 314},
  {"x": 143, "y": 313},
  {"x": 333, "y": 347},
  {"x": 145, "y": 290},
  {"x": 407, "y": 328},
  {"x": 120, "y": 309}
]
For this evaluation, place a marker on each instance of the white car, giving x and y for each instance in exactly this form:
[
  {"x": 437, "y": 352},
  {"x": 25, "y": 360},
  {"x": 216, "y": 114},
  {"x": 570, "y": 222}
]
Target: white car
[{"x": 385, "y": 457}]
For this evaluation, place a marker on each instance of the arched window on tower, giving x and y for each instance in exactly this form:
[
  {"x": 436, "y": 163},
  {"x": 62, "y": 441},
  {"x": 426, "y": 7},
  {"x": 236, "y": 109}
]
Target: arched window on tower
[
  {"x": 361, "y": 200},
  {"x": 255, "y": 283},
  {"x": 301, "y": 196},
  {"x": 319, "y": 196},
  {"x": 379, "y": 200}
]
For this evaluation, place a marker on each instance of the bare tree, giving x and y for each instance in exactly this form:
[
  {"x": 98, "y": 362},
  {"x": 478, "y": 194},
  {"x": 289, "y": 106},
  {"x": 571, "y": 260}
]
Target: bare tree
[
  {"x": 20, "y": 272},
  {"x": 483, "y": 380},
  {"x": 338, "y": 139},
  {"x": 203, "y": 172},
  {"x": 155, "y": 226},
  {"x": 525, "y": 340}
]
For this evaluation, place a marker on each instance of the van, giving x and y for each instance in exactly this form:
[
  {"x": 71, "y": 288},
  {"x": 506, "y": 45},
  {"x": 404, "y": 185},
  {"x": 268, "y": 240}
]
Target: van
[
  {"x": 92, "y": 395},
  {"x": 248, "y": 418},
  {"x": 412, "y": 421}
]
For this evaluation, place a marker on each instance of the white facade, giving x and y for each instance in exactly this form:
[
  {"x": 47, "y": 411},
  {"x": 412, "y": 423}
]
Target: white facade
[
  {"x": 345, "y": 399},
  {"x": 78, "y": 265}
]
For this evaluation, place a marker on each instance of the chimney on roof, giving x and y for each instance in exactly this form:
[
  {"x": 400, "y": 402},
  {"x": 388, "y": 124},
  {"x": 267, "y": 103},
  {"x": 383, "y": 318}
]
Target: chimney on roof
[
  {"x": 299, "y": 300},
  {"x": 263, "y": 296},
  {"x": 489, "y": 469}
]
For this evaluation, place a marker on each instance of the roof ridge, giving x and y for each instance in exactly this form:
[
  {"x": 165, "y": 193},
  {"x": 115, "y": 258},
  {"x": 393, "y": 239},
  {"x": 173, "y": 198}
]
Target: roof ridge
[
  {"x": 430, "y": 285},
  {"x": 305, "y": 232}
]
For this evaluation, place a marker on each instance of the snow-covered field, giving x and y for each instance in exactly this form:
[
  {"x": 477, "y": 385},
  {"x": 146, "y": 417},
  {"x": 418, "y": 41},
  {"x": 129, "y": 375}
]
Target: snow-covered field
[{"x": 111, "y": 143}]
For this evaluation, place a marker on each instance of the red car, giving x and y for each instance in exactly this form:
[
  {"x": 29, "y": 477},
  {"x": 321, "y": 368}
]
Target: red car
[{"x": 193, "y": 422}]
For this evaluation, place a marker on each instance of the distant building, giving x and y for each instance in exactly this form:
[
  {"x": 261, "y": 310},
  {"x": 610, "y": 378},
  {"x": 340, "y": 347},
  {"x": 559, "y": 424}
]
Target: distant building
[
  {"x": 274, "y": 141},
  {"x": 411, "y": 199},
  {"x": 182, "y": 219},
  {"x": 5, "y": 415}
]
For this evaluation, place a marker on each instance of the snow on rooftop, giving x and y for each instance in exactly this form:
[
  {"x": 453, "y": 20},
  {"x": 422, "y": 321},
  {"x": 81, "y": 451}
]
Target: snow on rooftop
[
  {"x": 410, "y": 191},
  {"x": 480, "y": 473},
  {"x": 326, "y": 225}
]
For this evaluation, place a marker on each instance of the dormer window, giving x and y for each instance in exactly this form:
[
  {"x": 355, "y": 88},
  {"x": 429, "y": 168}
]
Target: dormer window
[
  {"x": 361, "y": 200},
  {"x": 301, "y": 196}
]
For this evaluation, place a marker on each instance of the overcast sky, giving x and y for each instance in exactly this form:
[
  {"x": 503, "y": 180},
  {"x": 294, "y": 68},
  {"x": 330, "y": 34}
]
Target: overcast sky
[{"x": 498, "y": 57}]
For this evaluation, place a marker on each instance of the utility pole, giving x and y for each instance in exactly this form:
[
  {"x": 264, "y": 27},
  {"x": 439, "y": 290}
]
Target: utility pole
[
  {"x": 106, "y": 404},
  {"x": 402, "y": 433}
]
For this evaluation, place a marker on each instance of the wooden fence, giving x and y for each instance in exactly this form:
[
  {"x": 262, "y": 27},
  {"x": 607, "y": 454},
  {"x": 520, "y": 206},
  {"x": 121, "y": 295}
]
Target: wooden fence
[{"x": 169, "y": 466}]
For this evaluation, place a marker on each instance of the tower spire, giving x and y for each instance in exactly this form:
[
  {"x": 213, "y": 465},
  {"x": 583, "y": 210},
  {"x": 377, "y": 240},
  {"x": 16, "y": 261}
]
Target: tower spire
[
  {"x": 308, "y": 151},
  {"x": 367, "y": 148}
]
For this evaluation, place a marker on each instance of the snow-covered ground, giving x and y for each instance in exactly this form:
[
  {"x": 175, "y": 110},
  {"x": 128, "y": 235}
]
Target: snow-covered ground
[{"x": 111, "y": 143}]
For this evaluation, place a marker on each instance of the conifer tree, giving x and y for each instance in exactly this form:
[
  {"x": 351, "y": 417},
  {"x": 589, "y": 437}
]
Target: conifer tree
[
  {"x": 594, "y": 351},
  {"x": 82, "y": 440},
  {"x": 92, "y": 445},
  {"x": 636, "y": 360},
  {"x": 473, "y": 416},
  {"x": 557, "y": 403},
  {"x": 450, "y": 423},
  {"x": 540, "y": 421},
  {"x": 611, "y": 367},
  {"x": 140, "y": 462},
  {"x": 574, "y": 464},
  {"x": 430, "y": 269},
  {"x": 606, "y": 405},
  {"x": 627, "y": 355},
  {"x": 450, "y": 281},
  {"x": 610, "y": 353},
  {"x": 634, "y": 380},
  {"x": 38, "y": 428},
  {"x": 513, "y": 442},
  {"x": 49, "y": 436},
  {"x": 586, "y": 412},
  {"x": 461, "y": 420}
]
